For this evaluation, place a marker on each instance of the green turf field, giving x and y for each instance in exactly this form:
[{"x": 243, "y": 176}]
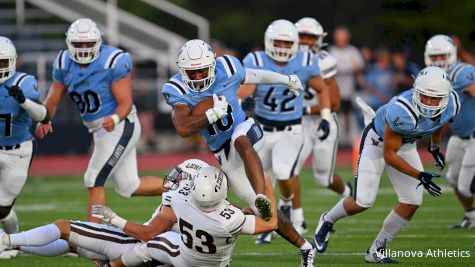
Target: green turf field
[{"x": 44, "y": 200}]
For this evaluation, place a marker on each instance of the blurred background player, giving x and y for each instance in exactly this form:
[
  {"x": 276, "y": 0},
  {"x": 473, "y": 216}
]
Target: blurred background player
[
  {"x": 350, "y": 63},
  {"x": 311, "y": 36},
  {"x": 280, "y": 111},
  {"x": 440, "y": 51},
  {"x": 97, "y": 77},
  {"x": 418, "y": 112},
  {"x": 19, "y": 107},
  {"x": 234, "y": 139}
]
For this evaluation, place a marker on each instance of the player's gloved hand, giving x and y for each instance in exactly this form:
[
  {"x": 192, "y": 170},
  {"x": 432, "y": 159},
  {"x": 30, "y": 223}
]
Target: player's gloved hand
[
  {"x": 429, "y": 185},
  {"x": 108, "y": 215},
  {"x": 16, "y": 92},
  {"x": 324, "y": 128},
  {"x": 294, "y": 84},
  {"x": 219, "y": 109},
  {"x": 437, "y": 155}
]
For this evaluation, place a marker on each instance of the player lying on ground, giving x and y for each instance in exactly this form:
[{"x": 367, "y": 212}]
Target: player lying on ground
[{"x": 201, "y": 205}]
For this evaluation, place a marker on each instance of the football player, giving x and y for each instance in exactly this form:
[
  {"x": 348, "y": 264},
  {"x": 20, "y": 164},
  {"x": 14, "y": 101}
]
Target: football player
[
  {"x": 440, "y": 51},
  {"x": 97, "y": 77},
  {"x": 234, "y": 139},
  {"x": 311, "y": 36},
  {"x": 390, "y": 140},
  {"x": 20, "y": 106},
  {"x": 279, "y": 110},
  {"x": 209, "y": 225},
  {"x": 91, "y": 240}
]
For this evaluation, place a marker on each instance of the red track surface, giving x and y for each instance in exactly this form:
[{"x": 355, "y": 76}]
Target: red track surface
[{"x": 76, "y": 165}]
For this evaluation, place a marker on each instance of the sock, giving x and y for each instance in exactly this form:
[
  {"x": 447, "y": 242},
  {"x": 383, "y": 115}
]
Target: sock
[
  {"x": 306, "y": 245},
  {"x": 90, "y": 254},
  {"x": 35, "y": 237},
  {"x": 297, "y": 215},
  {"x": 285, "y": 202},
  {"x": 470, "y": 214},
  {"x": 10, "y": 223},
  {"x": 336, "y": 213},
  {"x": 55, "y": 248},
  {"x": 286, "y": 199},
  {"x": 346, "y": 192},
  {"x": 392, "y": 225}
]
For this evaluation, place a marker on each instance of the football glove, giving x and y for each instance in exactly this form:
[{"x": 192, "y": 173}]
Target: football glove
[
  {"x": 324, "y": 128},
  {"x": 108, "y": 215},
  {"x": 219, "y": 109},
  {"x": 16, "y": 92},
  {"x": 429, "y": 185},
  {"x": 438, "y": 156},
  {"x": 294, "y": 84}
]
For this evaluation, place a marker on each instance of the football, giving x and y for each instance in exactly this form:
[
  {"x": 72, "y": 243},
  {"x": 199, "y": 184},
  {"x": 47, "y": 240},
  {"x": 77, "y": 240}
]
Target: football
[{"x": 202, "y": 106}]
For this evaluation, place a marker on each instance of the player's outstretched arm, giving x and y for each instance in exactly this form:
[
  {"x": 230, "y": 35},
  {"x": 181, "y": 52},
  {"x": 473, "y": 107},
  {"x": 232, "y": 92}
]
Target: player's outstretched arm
[
  {"x": 36, "y": 110},
  {"x": 256, "y": 76},
  {"x": 159, "y": 224}
]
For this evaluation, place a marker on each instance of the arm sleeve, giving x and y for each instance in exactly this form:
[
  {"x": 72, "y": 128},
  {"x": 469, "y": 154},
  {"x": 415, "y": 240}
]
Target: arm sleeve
[
  {"x": 249, "y": 226},
  {"x": 256, "y": 76}
]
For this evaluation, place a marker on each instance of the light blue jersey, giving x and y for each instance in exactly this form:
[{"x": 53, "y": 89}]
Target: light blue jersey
[
  {"x": 462, "y": 75},
  {"x": 229, "y": 75},
  {"x": 90, "y": 88},
  {"x": 275, "y": 103},
  {"x": 401, "y": 115},
  {"x": 15, "y": 122}
]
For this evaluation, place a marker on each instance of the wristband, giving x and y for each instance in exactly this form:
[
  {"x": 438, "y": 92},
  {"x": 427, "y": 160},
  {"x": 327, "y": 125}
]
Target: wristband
[
  {"x": 118, "y": 222},
  {"x": 115, "y": 118},
  {"x": 212, "y": 115},
  {"x": 326, "y": 114}
]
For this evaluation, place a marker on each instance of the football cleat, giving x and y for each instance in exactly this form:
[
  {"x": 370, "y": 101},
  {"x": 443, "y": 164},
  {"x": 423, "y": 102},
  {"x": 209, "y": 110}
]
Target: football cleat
[
  {"x": 307, "y": 256},
  {"x": 378, "y": 256},
  {"x": 285, "y": 208},
  {"x": 265, "y": 238},
  {"x": 264, "y": 207},
  {"x": 322, "y": 234},
  {"x": 464, "y": 223}
]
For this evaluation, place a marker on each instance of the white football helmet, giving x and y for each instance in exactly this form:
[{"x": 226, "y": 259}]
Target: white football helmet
[
  {"x": 281, "y": 30},
  {"x": 440, "y": 45},
  {"x": 84, "y": 31},
  {"x": 432, "y": 81},
  {"x": 197, "y": 55},
  {"x": 182, "y": 174},
  {"x": 209, "y": 188},
  {"x": 311, "y": 26},
  {"x": 7, "y": 59}
]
